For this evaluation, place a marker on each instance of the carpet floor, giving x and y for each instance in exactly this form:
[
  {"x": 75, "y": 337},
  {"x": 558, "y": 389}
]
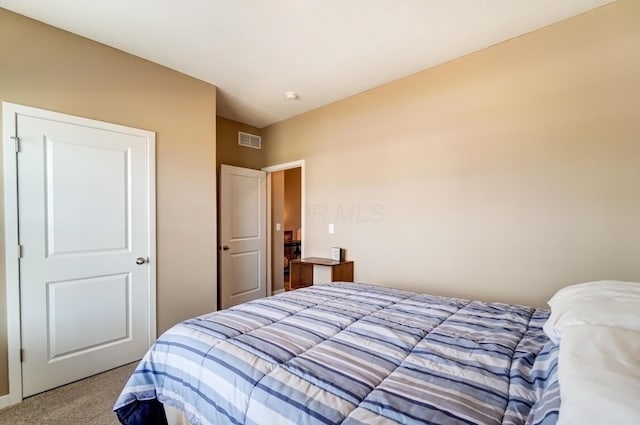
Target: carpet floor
[{"x": 86, "y": 402}]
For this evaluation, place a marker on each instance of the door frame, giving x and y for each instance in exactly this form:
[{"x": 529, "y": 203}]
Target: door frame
[
  {"x": 11, "y": 246},
  {"x": 303, "y": 205}
]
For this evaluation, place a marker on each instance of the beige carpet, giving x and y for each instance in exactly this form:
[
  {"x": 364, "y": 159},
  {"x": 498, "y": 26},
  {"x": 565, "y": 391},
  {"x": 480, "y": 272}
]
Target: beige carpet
[{"x": 84, "y": 402}]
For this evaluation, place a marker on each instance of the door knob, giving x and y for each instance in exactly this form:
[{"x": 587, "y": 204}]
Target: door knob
[
  {"x": 226, "y": 247},
  {"x": 141, "y": 260}
]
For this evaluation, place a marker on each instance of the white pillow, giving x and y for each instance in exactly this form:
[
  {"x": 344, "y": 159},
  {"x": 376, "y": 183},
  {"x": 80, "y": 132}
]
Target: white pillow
[
  {"x": 605, "y": 303},
  {"x": 599, "y": 376}
]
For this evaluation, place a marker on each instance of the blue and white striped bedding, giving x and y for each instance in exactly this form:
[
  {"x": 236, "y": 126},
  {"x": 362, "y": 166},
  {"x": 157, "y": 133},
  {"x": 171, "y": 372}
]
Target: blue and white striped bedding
[{"x": 349, "y": 353}]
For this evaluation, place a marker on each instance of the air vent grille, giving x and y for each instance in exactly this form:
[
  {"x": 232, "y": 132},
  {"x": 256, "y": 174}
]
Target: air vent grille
[{"x": 249, "y": 140}]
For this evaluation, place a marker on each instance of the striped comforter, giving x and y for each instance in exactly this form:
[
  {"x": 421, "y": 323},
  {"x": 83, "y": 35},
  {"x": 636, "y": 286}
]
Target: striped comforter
[{"x": 349, "y": 353}]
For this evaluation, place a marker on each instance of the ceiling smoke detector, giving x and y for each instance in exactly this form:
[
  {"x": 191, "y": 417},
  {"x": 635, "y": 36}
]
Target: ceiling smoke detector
[{"x": 291, "y": 95}]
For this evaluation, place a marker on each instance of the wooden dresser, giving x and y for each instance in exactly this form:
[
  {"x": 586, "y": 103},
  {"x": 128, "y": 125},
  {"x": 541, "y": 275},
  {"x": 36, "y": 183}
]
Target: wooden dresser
[{"x": 301, "y": 271}]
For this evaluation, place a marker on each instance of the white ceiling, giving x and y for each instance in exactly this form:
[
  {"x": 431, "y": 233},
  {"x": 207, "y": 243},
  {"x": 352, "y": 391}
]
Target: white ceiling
[{"x": 325, "y": 50}]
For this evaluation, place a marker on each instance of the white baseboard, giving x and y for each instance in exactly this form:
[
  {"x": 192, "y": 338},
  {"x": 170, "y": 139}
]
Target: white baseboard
[
  {"x": 5, "y": 401},
  {"x": 277, "y": 291}
]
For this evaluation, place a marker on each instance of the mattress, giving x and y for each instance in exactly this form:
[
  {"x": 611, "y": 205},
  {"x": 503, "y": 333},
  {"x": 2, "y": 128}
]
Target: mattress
[{"x": 351, "y": 353}]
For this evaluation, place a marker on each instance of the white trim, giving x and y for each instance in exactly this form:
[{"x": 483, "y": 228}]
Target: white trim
[
  {"x": 285, "y": 166},
  {"x": 11, "y": 259},
  {"x": 277, "y": 291},
  {"x": 303, "y": 208},
  {"x": 10, "y": 112},
  {"x": 5, "y": 401},
  {"x": 151, "y": 229}
]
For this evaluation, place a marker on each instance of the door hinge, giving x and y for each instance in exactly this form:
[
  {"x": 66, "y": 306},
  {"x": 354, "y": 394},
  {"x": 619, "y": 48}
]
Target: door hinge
[
  {"x": 21, "y": 355},
  {"x": 17, "y": 141},
  {"x": 19, "y": 251}
]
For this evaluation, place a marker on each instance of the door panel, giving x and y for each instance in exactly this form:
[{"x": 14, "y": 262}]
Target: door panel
[
  {"x": 89, "y": 213},
  {"x": 245, "y": 269},
  {"x": 242, "y": 235},
  {"x": 104, "y": 297},
  {"x": 84, "y": 215},
  {"x": 246, "y": 202}
]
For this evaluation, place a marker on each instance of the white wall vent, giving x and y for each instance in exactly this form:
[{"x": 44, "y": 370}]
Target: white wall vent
[{"x": 249, "y": 140}]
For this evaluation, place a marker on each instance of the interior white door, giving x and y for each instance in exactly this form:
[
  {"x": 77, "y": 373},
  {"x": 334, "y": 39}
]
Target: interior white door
[
  {"x": 243, "y": 235},
  {"x": 84, "y": 228}
]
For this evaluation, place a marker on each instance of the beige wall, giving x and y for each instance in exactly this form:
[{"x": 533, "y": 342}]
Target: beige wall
[
  {"x": 503, "y": 175},
  {"x": 277, "y": 237},
  {"x": 292, "y": 206},
  {"x": 229, "y": 152},
  {"x": 48, "y": 68}
]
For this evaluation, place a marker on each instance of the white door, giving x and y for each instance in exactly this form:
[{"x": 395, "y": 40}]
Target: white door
[
  {"x": 243, "y": 235},
  {"x": 84, "y": 215}
]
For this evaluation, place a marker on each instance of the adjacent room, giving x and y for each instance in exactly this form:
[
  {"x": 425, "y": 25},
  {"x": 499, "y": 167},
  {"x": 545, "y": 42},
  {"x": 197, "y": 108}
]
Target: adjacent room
[{"x": 320, "y": 212}]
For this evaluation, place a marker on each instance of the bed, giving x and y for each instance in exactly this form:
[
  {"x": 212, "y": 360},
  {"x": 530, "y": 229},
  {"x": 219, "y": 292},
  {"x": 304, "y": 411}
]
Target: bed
[{"x": 351, "y": 353}]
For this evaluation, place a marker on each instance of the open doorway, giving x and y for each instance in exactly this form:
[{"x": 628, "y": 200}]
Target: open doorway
[{"x": 285, "y": 221}]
